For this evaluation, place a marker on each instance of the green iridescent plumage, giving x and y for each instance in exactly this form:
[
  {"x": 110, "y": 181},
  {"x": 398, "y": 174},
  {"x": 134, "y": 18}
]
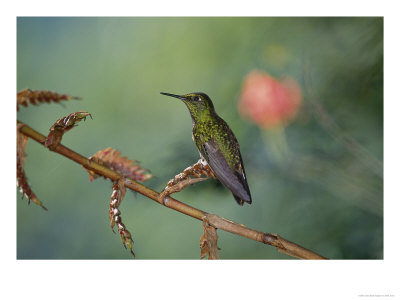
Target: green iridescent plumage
[{"x": 217, "y": 145}]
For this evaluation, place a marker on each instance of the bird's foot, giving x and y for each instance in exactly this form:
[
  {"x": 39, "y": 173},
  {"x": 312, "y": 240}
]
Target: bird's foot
[{"x": 200, "y": 171}]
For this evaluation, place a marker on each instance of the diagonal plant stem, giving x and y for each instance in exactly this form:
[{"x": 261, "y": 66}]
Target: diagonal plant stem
[{"x": 274, "y": 240}]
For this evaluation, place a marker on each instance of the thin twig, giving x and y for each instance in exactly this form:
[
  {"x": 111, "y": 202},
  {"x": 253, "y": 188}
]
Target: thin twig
[{"x": 281, "y": 244}]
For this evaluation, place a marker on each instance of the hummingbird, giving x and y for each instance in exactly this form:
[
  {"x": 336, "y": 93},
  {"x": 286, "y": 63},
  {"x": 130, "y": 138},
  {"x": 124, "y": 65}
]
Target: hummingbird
[{"x": 217, "y": 145}]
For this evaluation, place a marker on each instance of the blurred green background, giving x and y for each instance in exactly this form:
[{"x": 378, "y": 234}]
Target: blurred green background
[{"x": 328, "y": 197}]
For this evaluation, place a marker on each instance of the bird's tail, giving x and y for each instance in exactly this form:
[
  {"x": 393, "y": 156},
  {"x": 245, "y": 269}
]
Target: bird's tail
[{"x": 241, "y": 201}]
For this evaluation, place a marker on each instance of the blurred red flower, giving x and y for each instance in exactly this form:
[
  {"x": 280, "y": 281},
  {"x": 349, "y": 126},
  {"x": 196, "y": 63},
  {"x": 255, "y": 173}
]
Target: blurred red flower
[{"x": 269, "y": 102}]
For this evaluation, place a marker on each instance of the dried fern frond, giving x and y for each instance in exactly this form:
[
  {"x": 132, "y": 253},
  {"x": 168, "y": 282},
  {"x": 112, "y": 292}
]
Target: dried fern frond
[
  {"x": 111, "y": 159},
  {"x": 22, "y": 181},
  {"x": 117, "y": 196},
  {"x": 208, "y": 242},
  {"x": 34, "y": 97},
  {"x": 63, "y": 125},
  {"x": 22, "y": 140},
  {"x": 25, "y": 189}
]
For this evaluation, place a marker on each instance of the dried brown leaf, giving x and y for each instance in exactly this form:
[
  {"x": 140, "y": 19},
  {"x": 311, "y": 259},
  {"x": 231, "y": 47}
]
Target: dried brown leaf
[
  {"x": 28, "y": 96},
  {"x": 63, "y": 125},
  {"x": 111, "y": 159},
  {"x": 208, "y": 242}
]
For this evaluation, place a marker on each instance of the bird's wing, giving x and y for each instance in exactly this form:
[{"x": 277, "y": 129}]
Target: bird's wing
[{"x": 234, "y": 180}]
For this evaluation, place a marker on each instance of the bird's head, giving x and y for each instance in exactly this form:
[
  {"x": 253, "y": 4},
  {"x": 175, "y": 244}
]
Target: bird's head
[{"x": 199, "y": 104}]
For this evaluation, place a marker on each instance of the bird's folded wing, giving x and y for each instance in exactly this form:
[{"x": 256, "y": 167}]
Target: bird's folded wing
[{"x": 234, "y": 180}]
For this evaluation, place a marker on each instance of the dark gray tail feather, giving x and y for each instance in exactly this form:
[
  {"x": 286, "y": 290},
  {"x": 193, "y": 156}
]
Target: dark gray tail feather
[{"x": 241, "y": 201}]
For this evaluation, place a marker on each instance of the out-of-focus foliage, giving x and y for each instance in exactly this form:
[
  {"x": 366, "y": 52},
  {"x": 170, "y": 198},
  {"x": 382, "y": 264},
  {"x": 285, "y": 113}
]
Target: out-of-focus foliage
[{"x": 326, "y": 193}]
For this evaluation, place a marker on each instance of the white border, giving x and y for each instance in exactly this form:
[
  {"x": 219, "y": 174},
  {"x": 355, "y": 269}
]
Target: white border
[{"x": 200, "y": 279}]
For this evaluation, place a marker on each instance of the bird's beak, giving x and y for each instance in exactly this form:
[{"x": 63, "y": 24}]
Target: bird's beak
[{"x": 175, "y": 96}]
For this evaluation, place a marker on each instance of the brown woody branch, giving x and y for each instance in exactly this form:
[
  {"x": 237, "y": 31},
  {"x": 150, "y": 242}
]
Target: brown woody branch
[{"x": 275, "y": 240}]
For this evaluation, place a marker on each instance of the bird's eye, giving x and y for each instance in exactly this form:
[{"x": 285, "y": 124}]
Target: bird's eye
[{"x": 196, "y": 98}]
